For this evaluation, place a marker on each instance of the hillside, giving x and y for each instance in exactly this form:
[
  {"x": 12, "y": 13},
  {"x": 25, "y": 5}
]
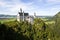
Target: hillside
[
  {"x": 14, "y": 30},
  {"x": 58, "y": 14},
  {"x": 57, "y": 19}
]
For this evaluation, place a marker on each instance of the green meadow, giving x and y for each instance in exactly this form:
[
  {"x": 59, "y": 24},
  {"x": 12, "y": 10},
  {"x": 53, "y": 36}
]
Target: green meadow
[{"x": 7, "y": 20}]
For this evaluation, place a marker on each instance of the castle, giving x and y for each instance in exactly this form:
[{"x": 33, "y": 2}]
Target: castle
[{"x": 22, "y": 16}]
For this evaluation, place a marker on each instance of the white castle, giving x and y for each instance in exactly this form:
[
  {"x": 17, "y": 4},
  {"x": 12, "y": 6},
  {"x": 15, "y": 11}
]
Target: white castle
[{"x": 22, "y": 16}]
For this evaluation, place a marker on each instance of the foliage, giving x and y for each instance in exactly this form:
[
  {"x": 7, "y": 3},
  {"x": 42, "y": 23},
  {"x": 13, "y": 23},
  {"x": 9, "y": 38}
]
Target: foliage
[
  {"x": 23, "y": 30},
  {"x": 54, "y": 29},
  {"x": 9, "y": 33},
  {"x": 14, "y": 30}
]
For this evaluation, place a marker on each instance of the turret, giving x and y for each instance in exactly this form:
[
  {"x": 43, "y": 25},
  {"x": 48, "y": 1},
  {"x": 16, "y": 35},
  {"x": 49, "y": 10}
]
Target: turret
[
  {"x": 21, "y": 10},
  {"x": 23, "y": 15},
  {"x": 34, "y": 15}
]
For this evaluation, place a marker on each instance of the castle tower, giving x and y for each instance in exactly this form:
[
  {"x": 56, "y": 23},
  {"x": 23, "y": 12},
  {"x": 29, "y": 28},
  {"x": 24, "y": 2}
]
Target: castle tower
[
  {"x": 23, "y": 15},
  {"x": 34, "y": 15},
  {"x": 21, "y": 10},
  {"x": 18, "y": 17}
]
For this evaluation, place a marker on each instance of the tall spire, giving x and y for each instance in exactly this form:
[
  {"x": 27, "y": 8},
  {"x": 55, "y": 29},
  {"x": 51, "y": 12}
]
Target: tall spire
[{"x": 21, "y": 10}]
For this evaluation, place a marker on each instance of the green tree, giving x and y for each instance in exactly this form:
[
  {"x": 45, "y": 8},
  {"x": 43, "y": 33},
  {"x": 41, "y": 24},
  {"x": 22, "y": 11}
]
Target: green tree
[{"x": 39, "y": 30}]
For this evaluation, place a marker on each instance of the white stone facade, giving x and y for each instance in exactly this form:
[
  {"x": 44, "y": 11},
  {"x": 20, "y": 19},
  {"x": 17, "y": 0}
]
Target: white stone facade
[{"x": 30, "y": 19}]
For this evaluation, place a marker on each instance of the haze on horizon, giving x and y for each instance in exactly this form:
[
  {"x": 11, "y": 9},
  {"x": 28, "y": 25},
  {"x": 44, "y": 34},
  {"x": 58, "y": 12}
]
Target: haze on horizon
[{"x": 40, "y": 7}]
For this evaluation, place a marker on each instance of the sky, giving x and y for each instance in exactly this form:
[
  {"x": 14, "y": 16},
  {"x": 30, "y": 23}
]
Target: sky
[{"x": 40, "y": 7}]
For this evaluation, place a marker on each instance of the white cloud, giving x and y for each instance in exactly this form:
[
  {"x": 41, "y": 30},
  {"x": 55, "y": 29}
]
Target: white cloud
[
  {"x": 17, "y": 4},
  {"x": 2, "y": 3},
  {"x": 53, "y": 0},
  {"x": 14, "y": 6}
]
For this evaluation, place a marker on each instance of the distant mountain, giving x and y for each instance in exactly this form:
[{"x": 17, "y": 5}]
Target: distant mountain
[
  {"x": 44, "y": 16},
  {"x": 14, "y": 16},
  {"x": 7, "y": 16}
]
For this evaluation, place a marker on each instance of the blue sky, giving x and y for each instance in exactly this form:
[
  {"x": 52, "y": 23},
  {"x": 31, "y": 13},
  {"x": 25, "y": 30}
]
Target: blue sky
[{"x": 40, "y": 7}]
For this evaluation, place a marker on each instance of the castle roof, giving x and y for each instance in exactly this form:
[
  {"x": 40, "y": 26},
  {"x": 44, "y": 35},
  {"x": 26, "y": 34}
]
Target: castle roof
[{"x": 25, "y": 14}]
